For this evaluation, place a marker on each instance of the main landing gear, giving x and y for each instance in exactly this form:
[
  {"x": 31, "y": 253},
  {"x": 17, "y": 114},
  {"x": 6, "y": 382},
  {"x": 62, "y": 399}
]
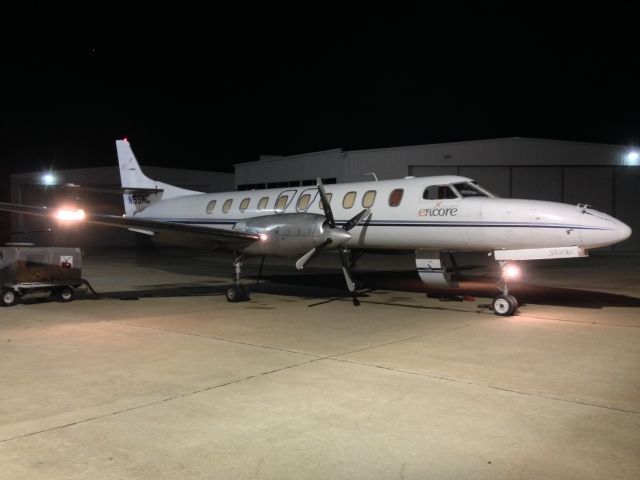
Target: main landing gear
[
  {"x": 505, "y": 304},
  {"x": 238, "y": 292}
]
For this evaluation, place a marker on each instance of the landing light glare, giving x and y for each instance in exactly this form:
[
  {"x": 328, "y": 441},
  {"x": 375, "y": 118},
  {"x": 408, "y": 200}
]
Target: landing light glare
[
  {"x": 511, "y": 272},
  {"x": 70, "y": 215}
]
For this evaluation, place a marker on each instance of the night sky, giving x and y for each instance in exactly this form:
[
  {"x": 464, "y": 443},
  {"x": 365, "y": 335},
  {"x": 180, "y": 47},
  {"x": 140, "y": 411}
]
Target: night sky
[{"x": 204, "y": 88}]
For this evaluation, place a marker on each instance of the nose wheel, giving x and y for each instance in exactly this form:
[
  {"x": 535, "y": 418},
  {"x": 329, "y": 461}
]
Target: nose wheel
[{"x": 505, "y": 304}]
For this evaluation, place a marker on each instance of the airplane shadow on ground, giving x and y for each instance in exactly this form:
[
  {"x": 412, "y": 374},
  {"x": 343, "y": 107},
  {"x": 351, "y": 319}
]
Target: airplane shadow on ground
[
  {"x": 320, "y": 286},
  {"x": 476, "y": 286}
]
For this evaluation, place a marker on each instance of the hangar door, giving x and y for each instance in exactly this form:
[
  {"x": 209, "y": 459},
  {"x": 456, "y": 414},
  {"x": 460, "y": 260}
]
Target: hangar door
[
  {"x": 495, "y": 179},
  {"x": 431, "y": 171},
  {"x": 537, "y": 183},
  {"x": 592, "y": 185}
]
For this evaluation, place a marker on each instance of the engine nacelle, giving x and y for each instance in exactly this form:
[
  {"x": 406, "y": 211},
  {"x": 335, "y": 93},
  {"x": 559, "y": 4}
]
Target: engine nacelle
[{"x": 284, "y": 235}]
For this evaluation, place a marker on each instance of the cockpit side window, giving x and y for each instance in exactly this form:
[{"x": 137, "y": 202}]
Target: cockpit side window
[
  {"x": 468, "y": 189},
  {"x": 438, "y": 192}
]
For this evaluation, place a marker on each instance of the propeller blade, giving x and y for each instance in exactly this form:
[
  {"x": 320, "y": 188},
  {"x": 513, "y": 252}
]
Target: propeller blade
[
  {"x": 325, "y": 204},
  {"x": 346, "y": 271},
  {"x": 311, "y": 254},
  {"x": 355, "y": 220}
]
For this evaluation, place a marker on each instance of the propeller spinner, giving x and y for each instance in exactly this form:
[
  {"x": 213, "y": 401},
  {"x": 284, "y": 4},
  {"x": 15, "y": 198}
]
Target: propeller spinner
[{"x": 334, "y": 235}]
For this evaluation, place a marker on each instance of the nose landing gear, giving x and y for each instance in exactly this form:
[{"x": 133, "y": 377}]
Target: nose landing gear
[{"x": 505, "y": 304}]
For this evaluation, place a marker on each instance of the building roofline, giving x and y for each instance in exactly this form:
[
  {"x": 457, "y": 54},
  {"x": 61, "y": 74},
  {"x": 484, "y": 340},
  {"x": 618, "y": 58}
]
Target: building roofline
[
  {"x": 488, "y": 140},
  {"x": 282, "y": 157},
  {"x": 440, "y": 144}
]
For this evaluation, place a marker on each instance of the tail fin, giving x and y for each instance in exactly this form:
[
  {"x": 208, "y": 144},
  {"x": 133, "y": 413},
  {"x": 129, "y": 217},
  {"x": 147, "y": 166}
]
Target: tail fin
[{"x": 131, "y": 177}]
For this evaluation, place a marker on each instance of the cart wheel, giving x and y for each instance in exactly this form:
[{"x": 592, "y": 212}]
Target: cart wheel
[
  {"x": 8, "y": 298},
  {"x": 65, "y": 294}
]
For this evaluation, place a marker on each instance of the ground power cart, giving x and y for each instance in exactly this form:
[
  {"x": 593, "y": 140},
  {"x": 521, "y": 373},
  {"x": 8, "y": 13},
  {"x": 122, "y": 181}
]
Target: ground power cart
[{"x": 28, "y": 271}]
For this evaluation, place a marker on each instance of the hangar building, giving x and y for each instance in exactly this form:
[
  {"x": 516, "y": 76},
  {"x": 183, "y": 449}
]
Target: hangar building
[{"x": 604, "y": 176}]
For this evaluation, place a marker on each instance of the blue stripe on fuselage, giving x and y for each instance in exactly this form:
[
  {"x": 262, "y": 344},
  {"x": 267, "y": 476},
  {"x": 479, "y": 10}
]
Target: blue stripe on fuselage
[{"x": 399, "y": 223}]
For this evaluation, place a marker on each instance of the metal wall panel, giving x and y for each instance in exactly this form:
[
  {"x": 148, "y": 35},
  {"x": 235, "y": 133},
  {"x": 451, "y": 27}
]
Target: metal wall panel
[
  {"x": 329, "y": 163},
  {"x": 537, "y": 183},
  {"x": 428, "y": 171},
  {"x": 591, "y": 185},
  {"x": 494, "y": 179},
  {"x": 626, "y": 205}
]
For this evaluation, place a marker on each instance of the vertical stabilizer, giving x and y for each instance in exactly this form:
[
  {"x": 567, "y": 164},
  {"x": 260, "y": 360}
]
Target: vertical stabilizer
[{"x": 131, "y": 177}]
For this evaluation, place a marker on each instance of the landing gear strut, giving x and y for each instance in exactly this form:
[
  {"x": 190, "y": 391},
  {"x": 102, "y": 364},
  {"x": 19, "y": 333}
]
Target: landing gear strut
[
  {"x": 238, "y": 292},
  {"x": 505, "y": 304}
]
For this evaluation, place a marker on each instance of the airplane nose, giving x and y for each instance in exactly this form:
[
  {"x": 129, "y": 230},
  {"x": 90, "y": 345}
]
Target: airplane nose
[
  {"x": 601, "y": 230},
  {"x": 623, "y": 231}
]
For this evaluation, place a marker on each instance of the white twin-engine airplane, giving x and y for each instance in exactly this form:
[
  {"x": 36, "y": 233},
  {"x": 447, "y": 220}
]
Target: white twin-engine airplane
[{"x": 433, "y": 216}]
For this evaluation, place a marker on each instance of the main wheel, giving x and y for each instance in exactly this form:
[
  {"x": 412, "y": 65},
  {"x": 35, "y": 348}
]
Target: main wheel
[
  {"x": 8, "y": 298},
  {"x": 245, "y": 293},
  {"x": 234, "y": 294},
  {"x": 504, "y": 305},
  {"x": 65, "y": 294}
]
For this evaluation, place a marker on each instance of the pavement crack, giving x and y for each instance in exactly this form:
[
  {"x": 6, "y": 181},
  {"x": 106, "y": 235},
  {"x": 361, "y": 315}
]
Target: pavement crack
[
  {"x": 158, "y": 402},
  {"x": 584, "y": 322},
  {"x": 482, "y": 385},
  {"x": 225, "y": 340},
  {"x": 400, "y": 340}
]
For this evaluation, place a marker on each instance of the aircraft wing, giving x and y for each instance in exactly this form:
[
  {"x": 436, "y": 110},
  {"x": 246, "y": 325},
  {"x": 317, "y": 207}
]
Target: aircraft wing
[{"x": 162, "y": 231}]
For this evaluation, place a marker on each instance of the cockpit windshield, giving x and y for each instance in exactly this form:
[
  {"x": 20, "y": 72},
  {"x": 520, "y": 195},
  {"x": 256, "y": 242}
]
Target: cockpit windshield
[{"x": 471, "y": 189}]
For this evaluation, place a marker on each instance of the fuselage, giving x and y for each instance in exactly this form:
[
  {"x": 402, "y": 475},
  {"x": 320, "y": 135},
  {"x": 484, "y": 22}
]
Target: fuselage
[{"x": 444, "y": 212}]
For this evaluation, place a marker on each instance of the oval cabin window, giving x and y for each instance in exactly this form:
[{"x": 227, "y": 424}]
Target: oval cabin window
[
  {"x": 395, "y": 197},
  {"x": 368, "y": 198},
  {"x": 262, "y": 204},
  {"x": 210, "y": 206},
  {"x": 282, "y": 202},
  {"x": 348, "y": 200},
  {"x": 303, "y": 201},
  {"x": 244, "y": 204},
  {"x": 226, "y": 205},
  {"x": 329, "y": 195}
]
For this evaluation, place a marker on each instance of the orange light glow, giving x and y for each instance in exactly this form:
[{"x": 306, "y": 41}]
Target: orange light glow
[
  {"x": 511, "y": 272},
  {"x": 70, "y": 215}
]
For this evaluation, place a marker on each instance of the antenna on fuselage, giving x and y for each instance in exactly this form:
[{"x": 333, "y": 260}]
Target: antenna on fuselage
[{"x": 373, "y": 174}]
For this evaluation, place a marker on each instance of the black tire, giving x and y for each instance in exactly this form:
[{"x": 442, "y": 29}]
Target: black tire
[
  {"x": 515, "y": 302},
  {"x": 245, "y": 293},
  {"x": 65, "y": 294},
  {"x": 8, "y": 298},
  {"x": 234, "y": 294},
  {"x": 504, "y": 305}
]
